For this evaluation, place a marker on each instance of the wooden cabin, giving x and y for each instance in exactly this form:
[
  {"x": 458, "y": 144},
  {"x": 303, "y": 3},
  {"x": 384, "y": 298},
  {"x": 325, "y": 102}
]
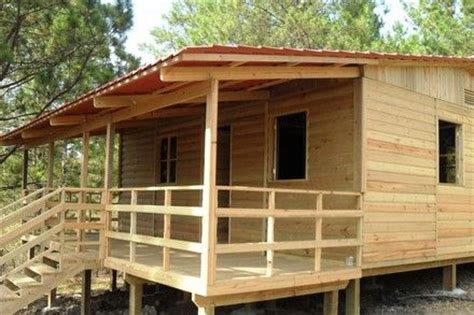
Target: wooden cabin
[{"x": 251, "y": 173}]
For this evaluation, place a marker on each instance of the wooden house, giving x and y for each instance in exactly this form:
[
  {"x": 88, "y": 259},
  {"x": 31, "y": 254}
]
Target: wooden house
[{"x": 255, "y": 173}]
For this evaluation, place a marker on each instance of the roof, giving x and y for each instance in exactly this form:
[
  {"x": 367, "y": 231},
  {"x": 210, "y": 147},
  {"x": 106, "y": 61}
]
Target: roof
[{"x": 145, "y": 79}]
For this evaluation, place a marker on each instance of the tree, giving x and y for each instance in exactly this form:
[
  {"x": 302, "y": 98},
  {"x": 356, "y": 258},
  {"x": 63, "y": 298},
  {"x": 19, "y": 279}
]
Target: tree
[
  {"x": 439, "y": 27},
  {"x": 52, "y": 51},
  {"x": 333, "y": 24}
]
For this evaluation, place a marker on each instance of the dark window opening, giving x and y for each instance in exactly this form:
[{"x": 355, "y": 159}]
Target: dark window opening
[
  {"x": 448, "y": 152},
  {"x": 291, "y": 146},
  {"x": 168, "y": 160}
]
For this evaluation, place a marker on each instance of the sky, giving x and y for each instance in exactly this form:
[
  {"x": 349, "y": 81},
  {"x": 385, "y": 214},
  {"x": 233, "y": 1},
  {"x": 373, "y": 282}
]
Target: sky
[{"x": 149, "y": 14}]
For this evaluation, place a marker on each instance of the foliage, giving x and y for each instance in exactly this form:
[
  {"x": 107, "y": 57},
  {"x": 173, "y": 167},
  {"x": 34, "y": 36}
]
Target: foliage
[
  {"x": 435, "y": 27},
  {"x": 50, "y": 52},
  {"x": 336, "y": 24}
]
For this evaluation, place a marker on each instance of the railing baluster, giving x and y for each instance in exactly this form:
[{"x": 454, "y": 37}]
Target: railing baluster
[
  {"x": 62, "y": 219},
  {"x": 360, "y": 207},
  {"x": 166, "y": 230},
  {"x": 270, "y": 233},
  {"x": 318, "y": 232},
  {"x": 133, "y": 225}
]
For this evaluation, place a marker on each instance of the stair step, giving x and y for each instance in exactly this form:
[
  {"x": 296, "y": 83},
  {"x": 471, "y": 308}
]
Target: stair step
[
  {"x": 42, "y": 269},
  {"x": 7, "y": 294},
  {"x": 22, "y": 281}
]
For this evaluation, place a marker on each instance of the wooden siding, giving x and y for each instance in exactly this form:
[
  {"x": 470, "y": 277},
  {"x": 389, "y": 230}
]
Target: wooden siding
[
  {"x": 444, "y": 83},
  {"x": 409, "y": 217}
]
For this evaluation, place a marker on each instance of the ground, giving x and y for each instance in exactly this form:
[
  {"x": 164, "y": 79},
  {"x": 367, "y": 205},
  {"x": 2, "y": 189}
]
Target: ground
[{"x": 409, "y": 293}]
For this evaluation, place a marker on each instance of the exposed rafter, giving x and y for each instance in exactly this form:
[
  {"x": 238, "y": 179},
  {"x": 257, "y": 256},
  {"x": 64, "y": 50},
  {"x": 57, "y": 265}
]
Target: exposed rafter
[{"x": 67, "y": 120}]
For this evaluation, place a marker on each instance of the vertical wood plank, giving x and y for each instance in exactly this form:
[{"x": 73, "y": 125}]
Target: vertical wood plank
[
  {"x": 209, "y": 198},
  {"x": 166, "y": 230},
  {"x": 352, "y": 300},
  {"x": 133, "y": 225},
  {"x": 318, "y": 233},
  {"x": 86, "y": 292},
  {"x": 359, "y": 232},
  {"x": 270, "y": 233},
  {"x": 51, "y": 153},
  {"x": 108, "y": 171},
  {"x": 331, "y": 301},
  {"x": 449, "y": 277},
  {"x": 83, "y": 183},
  {"x": 24, "y": 173}
]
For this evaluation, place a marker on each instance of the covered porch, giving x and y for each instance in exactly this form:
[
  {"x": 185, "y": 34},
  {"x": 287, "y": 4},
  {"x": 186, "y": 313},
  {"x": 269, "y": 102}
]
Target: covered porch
[{"x": 213, "y": 236}]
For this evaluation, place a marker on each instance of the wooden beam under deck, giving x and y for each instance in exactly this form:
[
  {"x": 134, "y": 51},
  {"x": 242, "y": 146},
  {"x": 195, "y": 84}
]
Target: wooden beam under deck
[{"x": 173, "y": 74}]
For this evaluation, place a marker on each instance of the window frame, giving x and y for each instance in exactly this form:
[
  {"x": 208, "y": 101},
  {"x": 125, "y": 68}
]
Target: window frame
[
  {"x": 274, "y": 166},
  {"x": 459, "y": 144},
  {"x": 168, "y": 160}
]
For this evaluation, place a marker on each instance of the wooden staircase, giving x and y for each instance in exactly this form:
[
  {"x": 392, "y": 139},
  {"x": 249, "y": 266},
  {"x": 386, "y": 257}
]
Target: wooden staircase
[{"x": 34, "y": 256}]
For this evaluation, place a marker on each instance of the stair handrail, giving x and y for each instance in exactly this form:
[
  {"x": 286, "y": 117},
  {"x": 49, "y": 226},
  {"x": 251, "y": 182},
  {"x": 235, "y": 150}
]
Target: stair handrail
[
  {"x": 22, "y": 200},
  {"x": 14, "y": 216}
]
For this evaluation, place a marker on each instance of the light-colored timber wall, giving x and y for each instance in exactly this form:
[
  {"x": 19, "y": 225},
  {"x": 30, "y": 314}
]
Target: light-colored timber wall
[
  {"x": 408, "y": 217},
  {"x": 444, "y": 83}
]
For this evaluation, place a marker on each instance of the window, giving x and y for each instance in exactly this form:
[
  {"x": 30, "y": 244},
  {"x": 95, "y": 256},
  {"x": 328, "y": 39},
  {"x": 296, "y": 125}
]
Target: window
[
  {"x": 449, "y": 142},
  {"x": 168, "y": 160},
  {"x": 290, "y": 150}
]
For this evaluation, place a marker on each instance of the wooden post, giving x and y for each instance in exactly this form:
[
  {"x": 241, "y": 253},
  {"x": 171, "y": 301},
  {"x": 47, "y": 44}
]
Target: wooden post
[
  {"x": 108, "y": 170},
  {"x": 86, "y": 292},
  {"x": 24, "y": 177},
  {"x": 51, "y": 152},
  {"x": 206, "y": 310},
  {"x": 449, "y": 277},
  {"x": 166, "y": 230},
  {"x": 209, "y": 198},
  {"x": 52, "y": 298},
  {"x": 135, "y": 286},
  {"x": 133, "y": 225},
  {"x": 270, "y": 233},
  {"x": 318, "y": 233},
  {"x": 113, "y": 281},
  {"x": 83, "y": 184},
  {"x": 353, "y": 297},
  {"x": 331, "y": 300}
]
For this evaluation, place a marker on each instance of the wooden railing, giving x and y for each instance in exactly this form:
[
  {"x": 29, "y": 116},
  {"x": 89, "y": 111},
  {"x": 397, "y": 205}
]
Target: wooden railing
[
  {"x": 43, "y": 226},
  {"x": 273, "y": 211},
  {"x": 166, "y": 208}
]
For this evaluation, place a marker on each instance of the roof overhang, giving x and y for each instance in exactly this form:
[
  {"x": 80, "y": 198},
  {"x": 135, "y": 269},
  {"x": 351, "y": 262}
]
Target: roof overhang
[{"x": 182, "y": 79}]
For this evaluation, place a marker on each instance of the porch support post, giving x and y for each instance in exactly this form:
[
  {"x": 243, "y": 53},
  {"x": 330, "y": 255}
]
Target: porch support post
[
  {"x": 135, "y": 295},
  {"x": 24, "y": 173},
  {"x": 83, "y": 184},
  {"x": 108, "y": 171},
  {"x": 209, "y": 196},
  {"x": 51, "y": 152},
  {"x": 331, "y": 301},
  {"x": 86, "y": 292},
  {"x": 353, "y": 297},
  {"x": 449, "y": 277},
  {"x": 52, "y": 298}
]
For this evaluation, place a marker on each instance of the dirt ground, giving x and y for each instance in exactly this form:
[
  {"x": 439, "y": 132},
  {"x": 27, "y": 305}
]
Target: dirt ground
[{"x": 409, "y": 293}]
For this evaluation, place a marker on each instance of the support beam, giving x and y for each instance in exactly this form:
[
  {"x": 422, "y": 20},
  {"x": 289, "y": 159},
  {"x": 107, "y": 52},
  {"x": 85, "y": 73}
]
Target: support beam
[
  {"x": 52, "y": 298},
  {"x": 51, "y": 153},
  {"x": 331, "y": 301},
  {"x": 83, "y": 183},
  {"x": 24, "y": 172},
  {"x": 449, "y": 277},
  {"x": 100, "y": 120},
  {"x": 113, "y": 280},
  {"x": 135, "y": 295},
  {"x": 353, "y": 297},
  {"x": 172, "y": 74},
  {"x": 86, "y": 292},
  {"x": 67, "y": 120},
  {"x": 41, "y": 133},
  {"x": 206, "y": 310},
  {"x": 209, "y": 220},
  {"x": 108, "y": 172},
  {"x": 134, "y": 99}
]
